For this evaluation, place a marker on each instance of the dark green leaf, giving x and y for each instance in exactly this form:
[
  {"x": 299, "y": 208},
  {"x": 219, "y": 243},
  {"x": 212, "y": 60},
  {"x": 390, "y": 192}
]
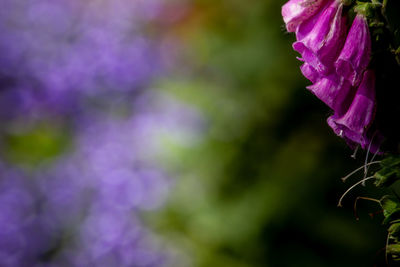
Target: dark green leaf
[
  {"x": 393, "y": 249},
  {"x": 391, "y": 208},
  {"x": 389, "y": 173},
  {"x": 394, "y": 229},
  {"x": 386, "y": 177}
]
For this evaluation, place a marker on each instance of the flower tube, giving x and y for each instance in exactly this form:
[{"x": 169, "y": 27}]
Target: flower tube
[
  {"x": 356, "y": 53},
  {"x": 309, "y": 72},
  {"x": 320, "y": 39},
  {"x": 295, "y": 12},
  {"x": 353, "y": 125},
  {"x": 334, "y": 91}
]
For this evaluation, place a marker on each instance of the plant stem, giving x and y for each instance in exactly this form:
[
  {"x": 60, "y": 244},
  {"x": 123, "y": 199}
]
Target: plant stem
[
  {"x": 364, "y": 198},
  {"x": 383, "y": 9},
  {"x": 351, "y": 187},
  {"x": 384, "y": 4},
  {"x": 359, "y": 169}
]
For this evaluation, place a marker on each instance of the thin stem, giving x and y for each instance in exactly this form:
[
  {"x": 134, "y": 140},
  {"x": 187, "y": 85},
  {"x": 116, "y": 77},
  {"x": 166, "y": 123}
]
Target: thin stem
[
  {"x": 366, "y": 157},
  {"x": 374, "y": 156},
  {"x": 364, "y": 198},
  {"x": 384, "y": 4},
  {"x": 372, "y": 159},
  {"x": 351, "y": 187},
  {"x": 359, "y": 169},
  {"x": 386, "y": 249},
  {"x": 355, "y": 152},
  {"x": 383, "y": 10}
]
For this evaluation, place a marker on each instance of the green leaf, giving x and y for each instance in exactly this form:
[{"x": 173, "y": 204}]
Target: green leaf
[
  {"x": 394, "y": 229},
  {"x": 389, "y": 173},
  {"x": 386, "y": 177},
  {"x": 365, "y": 8},
  {"x": 394, "y": 250},
  {"x": 347, "y": 2},
  {"x": 390, "y": 161},
  {"x": 389, "y": 204},
  {"x": 391, "y": 208}
]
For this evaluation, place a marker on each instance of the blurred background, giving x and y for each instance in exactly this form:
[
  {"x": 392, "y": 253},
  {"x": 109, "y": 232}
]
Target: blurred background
[{"x": 168, "y": 133}]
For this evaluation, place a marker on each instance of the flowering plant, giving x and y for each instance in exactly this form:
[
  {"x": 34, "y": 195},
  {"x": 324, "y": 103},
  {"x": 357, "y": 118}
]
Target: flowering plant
[{"x": 350, "y": 56}]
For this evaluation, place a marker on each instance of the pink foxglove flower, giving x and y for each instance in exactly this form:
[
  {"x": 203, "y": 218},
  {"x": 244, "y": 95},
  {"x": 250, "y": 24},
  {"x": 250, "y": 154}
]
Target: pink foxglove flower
[
  {"x": 295, "y": 12},
  {"x": 320, "y": 39},
  {"x": 335, "y": 59},
  {"x": 353, "y": 125},
  {"x": 309, "y": 72},
  {"x": 334, "y": 91},
  {"x": 356, "y": 53}
]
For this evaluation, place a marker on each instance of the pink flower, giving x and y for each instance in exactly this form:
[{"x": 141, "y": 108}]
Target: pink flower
[
  {"x": 320, "y": 39},
  {"x": 356, "y": 53},
  {"x": 336, "y": 61},
  {"x": 334, "y": 91},
  {"x": 309, "y": 72},
  {"x": 296, "y": 12},
  {"x": 353, "y": 124}
]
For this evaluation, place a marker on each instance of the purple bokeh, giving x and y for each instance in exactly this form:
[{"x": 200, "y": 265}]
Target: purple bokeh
[
  {"x": 88, "y": 65},
  {"x": 56, "y": 54},
  {"x": 85, "y": 208}
]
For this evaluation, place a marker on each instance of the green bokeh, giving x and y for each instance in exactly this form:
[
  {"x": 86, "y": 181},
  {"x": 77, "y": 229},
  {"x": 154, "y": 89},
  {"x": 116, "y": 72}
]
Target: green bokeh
[{"x": 261, "y": 189}]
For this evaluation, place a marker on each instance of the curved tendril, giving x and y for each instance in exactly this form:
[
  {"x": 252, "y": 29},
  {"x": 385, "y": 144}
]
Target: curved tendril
[
  {"x": 351, "y": 187},
  {"x": 364, "y": 198},
  {"x": 372, "y": 160},
  {"x": 359, "y": 169},
  {"x": 374, "y": 156},
  {"x": 355, "y": 152},
  {"x": 367, "y": 155}
]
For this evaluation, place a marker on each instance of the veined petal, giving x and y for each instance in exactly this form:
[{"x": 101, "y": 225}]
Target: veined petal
[
  {"x": 372, "y": 139},
  {"x": 320, "y": 40},
  {"x": 309, "y": 72},
  {"x": 354, "y": 124},
  {"x": 334, "y": 91},
  {"x": 356, "y": 53},
  {"x": 295, "y": 12}
]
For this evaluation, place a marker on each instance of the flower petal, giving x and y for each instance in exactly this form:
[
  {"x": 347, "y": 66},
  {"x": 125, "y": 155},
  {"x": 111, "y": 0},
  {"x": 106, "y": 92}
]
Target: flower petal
[
  {"x": 356, "y": 53},
  {"x": 295, "y": 12},
  {"x": 320, "y": 40},
  {"x": 309, "y": 72},
  {"x": 334, "y": 91},
  {"x": 354, "y": 123}
]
